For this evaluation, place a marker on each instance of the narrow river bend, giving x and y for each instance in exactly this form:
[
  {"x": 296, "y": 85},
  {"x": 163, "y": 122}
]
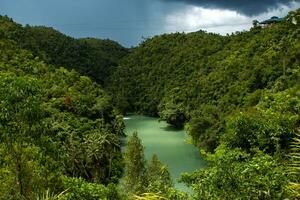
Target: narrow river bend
[{"x": 168, "y": 143}]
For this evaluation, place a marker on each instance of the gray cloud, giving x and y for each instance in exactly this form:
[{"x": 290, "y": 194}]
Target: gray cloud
[
  {"x": 127, "y": 21},
  {"x": 247, "y": 7}
]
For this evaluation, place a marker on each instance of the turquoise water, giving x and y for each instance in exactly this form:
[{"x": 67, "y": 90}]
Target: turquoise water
[{"x": 168, "y": 143}]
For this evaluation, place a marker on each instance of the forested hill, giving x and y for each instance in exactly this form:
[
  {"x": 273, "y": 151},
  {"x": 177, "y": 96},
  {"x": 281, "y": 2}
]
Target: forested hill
[
  {"x": 200, "y": 79},
  {"x": 236, "y": 95},
  {"x": 95, "y": 58},
  {"x": 58, "y": 128}
]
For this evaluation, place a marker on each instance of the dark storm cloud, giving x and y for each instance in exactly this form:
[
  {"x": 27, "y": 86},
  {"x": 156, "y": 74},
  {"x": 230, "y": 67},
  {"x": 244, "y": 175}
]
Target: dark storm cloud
[{"x": 247, "y": 7}]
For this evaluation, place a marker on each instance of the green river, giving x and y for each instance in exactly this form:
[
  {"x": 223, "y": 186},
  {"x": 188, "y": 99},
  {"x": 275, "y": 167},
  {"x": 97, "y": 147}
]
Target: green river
[{"x": 168, "y": 143}]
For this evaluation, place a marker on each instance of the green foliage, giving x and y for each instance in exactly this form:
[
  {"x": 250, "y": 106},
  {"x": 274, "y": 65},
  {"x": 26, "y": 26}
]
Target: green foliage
[
  {"x": 159, "y": 182},
  {"x": 77, "y": 188},
  {"x": 259, "y": 130},
  {"x": 172, "y": 108},
  {"x": 205, "y": 127},
  {"x": 20, "y": 122},
  {"x": 250, "y": 163},
  {"x": 147, "y": 181},
  {"x": 54, "y": 122},
  {"x": 135, "y": 165},
  {"x": 234, "y": 174},
  {"x": 270, "y": 127},
  {"x": 159, "y": 178},
  {"x": 237, "y": 96},
  {"x": 294, "y": 186},
  {"x": 149, "y": 196},
  {"x": 50, "y": 196},
  {"x": 200, "y": 79},
  {"x": 92, "y": 57}
]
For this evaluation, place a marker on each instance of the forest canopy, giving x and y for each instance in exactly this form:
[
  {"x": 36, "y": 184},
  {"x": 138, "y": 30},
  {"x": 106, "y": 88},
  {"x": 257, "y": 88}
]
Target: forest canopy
[
  {"x": 95, "y": 58},
  {"x": 62, "y": 102}
]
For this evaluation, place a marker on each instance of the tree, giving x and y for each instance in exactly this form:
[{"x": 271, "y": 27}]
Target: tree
[
  {"x": 234, "y": 174},
  {"x": 53, "y": 122},
  {"x": 20, "y": 117},
  {"x": 255, "y": 23},
  {"x": 159, "y": 178},
  {"x": 135, "y": 164}
]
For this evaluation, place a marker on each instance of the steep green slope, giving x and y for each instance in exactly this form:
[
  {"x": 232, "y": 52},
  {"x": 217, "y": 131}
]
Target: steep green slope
[
  {"x": 54, "y": 124},
  {"x": 199, "y": 79},
  {"x": 253, "y": 159},
  {"x": 237, "y": 96},
  {"x": 92, "y": 57}
]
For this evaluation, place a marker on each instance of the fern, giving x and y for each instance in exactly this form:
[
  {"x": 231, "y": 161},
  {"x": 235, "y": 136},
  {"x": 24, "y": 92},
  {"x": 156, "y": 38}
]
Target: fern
[{"x": 294, "y": 168}]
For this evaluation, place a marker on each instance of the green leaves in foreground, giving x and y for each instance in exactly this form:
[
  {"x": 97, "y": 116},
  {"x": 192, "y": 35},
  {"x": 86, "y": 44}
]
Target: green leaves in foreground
[
  {"x": 20, "y": 127},
  {"x": 53, "y": 123},
  {"x": 233, "y": 174}
]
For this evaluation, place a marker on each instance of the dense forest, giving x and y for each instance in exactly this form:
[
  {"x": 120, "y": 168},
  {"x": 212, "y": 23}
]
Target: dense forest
[
  {"x": 199, "y": 79},
  {"x": 89, "y": 56},
  {"x": 62, "y": 101}
]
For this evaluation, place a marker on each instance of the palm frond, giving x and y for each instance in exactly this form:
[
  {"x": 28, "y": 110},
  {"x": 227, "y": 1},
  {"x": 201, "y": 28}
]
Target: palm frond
[
  {"x": 50, "y": 196},
  {"x": 149, "y": 196},
  {"x": 294, "y": 167}
]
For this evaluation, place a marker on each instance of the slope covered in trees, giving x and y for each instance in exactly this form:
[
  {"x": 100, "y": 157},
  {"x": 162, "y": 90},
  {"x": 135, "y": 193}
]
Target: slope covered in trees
[
  {"x": 55, "y": 125},
  {"x": 59, "y": 132},
  {"x": 198, "y": 79},
  {"x": 237, "y": 96},
  {"x": 92, "y": 57}
]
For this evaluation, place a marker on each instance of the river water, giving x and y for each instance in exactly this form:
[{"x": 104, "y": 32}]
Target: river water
[{"x": 168, "y": 143}]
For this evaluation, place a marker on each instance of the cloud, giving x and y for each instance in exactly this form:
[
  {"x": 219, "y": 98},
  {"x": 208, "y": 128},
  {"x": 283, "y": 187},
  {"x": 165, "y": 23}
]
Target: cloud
[
  {"x": 246, "y": 7},
  {"x": 222, "y": 21},
  {"x": 214, "y": 20}
]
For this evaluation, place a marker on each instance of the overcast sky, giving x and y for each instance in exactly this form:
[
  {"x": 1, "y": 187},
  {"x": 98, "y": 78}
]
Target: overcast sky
[{"x": 128, "y": 21}]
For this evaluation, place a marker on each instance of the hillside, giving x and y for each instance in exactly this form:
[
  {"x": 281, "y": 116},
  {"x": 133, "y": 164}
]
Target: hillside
[
  {"x": 55, "y": 125},
  {"x": 95, "y": 58},
  {"x": 61, "y": 99},
  {"x": 199, "y": 79},
  {"x": 238, "y": 98}
]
